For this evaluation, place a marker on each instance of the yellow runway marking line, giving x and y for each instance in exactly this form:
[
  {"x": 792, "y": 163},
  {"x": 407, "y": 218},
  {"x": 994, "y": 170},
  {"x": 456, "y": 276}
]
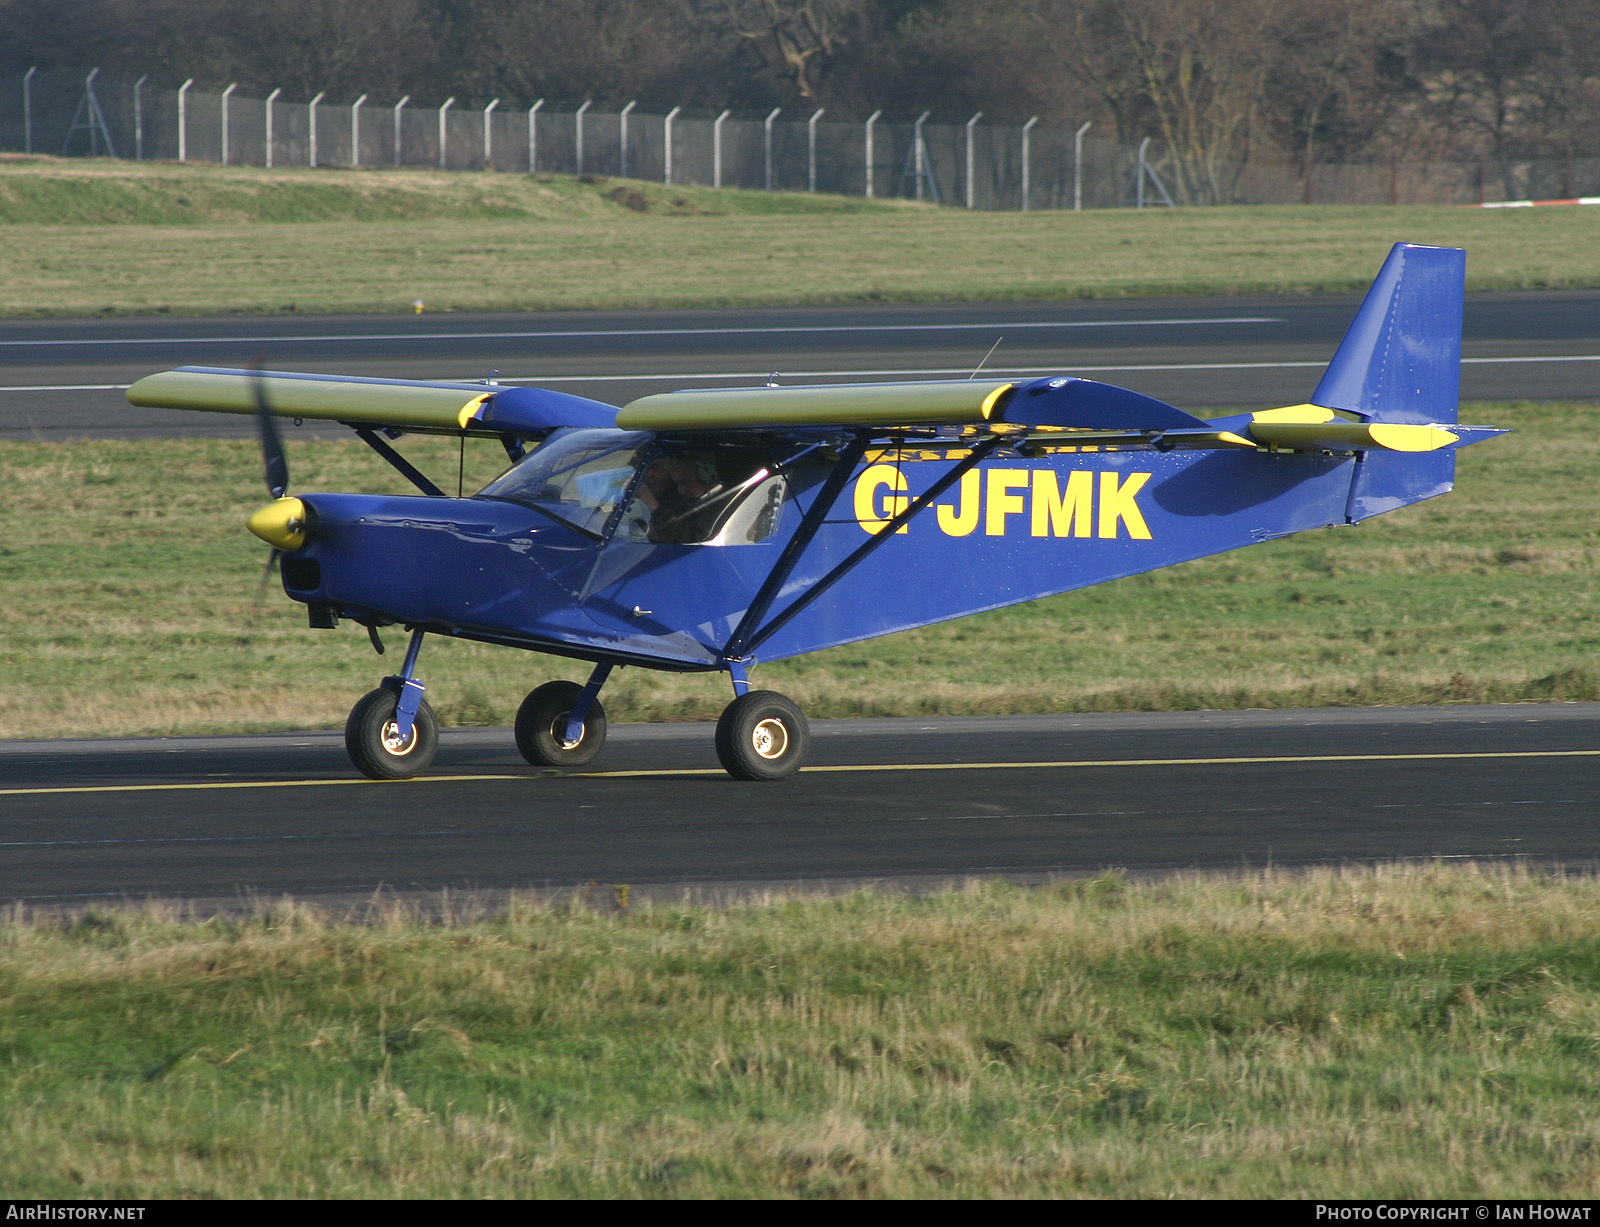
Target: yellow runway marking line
[
  {"x": 713, "y": 771},
  {"x": 89, "y": 788},
  {"x": 1147, "y": 762}
]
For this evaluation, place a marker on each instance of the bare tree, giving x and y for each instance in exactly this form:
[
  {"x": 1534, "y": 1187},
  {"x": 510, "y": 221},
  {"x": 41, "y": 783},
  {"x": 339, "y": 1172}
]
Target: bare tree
[
  {"x": 1216, "y": 81},
  {"x": 343, "y": 46},
  {"x": 182, "y": 38},
  {"x": 1188, "y": 71},
  {"x": 795, "y": 37},
  {"x": 1511, "y": 78},
  {"x": 1339, "y": 76}
]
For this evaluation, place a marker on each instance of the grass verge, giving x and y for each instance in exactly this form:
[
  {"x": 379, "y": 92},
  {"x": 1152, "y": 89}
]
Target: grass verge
[
  {"x": 129, "y": 585},
  {"x": 215, "y": 240},
  {"x": 1409, "y": 1032}
]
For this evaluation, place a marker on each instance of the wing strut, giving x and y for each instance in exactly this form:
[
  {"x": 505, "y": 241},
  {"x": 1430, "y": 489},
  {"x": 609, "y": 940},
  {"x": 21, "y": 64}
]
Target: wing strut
[
  {"x": 744, "y": 643},
  {"x": 405, "y": 468},
  {"x": 818, "y": 511}
]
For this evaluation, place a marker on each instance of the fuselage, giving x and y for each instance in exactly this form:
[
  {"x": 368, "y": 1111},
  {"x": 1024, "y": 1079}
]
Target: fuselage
[{"x": 1013, "y": 529}]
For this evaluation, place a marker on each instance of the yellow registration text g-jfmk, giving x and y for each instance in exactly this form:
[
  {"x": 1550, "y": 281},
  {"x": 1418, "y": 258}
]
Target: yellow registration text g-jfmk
[{"x": 1002, "y": 502}]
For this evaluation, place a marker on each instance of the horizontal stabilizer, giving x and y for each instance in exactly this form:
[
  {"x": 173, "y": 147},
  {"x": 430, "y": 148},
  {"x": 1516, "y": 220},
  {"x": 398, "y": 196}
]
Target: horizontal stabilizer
[
  {"x": 1353, "y": 436},
  {"x": 402, "y": 403},
  {"x": 1311, "y": 428}
]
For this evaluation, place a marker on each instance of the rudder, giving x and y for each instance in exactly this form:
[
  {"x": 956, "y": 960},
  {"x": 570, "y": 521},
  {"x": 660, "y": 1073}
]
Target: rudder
[{"x": 1400, "y": 360}]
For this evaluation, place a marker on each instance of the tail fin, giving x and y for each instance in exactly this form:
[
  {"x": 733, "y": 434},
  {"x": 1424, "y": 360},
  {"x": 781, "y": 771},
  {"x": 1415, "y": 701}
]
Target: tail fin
[{"x": 1400, "y": 361}]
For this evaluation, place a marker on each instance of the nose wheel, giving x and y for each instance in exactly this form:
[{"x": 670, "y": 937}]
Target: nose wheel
[
  {"x": 542, "y": 727},
  {"x": 762, "y": 735},
  {"x": 372, "y": 738}
]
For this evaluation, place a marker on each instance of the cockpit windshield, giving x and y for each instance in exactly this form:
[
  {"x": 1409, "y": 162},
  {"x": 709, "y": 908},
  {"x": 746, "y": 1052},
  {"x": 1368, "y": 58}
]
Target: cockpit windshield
[
  {"x": 633, "y": 486},
  {"x": 576, "y": 475}
]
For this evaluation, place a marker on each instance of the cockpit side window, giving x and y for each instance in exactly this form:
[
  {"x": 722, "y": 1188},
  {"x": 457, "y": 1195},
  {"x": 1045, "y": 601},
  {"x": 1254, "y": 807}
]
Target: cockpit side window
[
  {"x": 641, "y": 489},
  {"x": 705, "y": 496}
]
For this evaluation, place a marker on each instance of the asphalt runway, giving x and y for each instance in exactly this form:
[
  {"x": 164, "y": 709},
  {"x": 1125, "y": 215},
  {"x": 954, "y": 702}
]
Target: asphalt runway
[
  {"x": 62, "y": 379},
  {"x": 222, "y": 821},
  {"x": 218, "y": 820}
]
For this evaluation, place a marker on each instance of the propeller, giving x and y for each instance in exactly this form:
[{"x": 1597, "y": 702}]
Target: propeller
[
  {"x": 281, "y": 523},
  {"x": 272, "y": 454}
]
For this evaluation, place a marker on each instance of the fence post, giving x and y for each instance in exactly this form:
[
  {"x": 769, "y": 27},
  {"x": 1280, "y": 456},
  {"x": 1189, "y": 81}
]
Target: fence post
[
  {"x": 312, "y": 116},
  {"x": 622, "y": 136},
  {"x": 811, "y": 149},
  {"x": 397, "y": 145},
  {"x": 533, "y": 136},
  {"x": 918, "y": 162},
  {"x": 971, "y": 198},
  {"x": 443, "y": 141},
  {"x": 578, "y": 135},
  {"x": 767, "y": 136},
  {"x": 138, "y": 119},
  {"x": 27, "y": 110},
  {"x": 1138, "y": 196},
  {"x": 1077, "y": 166},
  {"x": 871, "y": 119},
  {"x": 183, "y": 120},
  {"x": 355, "y": 130},
  {"x": 271, "y": 98},
  {"x": 225, "y": 94},
  {"x": 488, "y": 139},
  {"x": 666, "y": 126},
  {"x": 1027, "y": 161},
  {"x": 716, "y": 150}
]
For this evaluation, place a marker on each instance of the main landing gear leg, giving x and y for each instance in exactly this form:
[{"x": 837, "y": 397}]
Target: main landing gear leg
[
  {"x": 761, "y": 735},
  {"x": 392, "y": 733},
  {"x": 561, "y": 724}
]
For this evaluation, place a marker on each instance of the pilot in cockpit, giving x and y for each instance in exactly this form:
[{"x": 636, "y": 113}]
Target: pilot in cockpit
[{"x": 682, "y": 493}]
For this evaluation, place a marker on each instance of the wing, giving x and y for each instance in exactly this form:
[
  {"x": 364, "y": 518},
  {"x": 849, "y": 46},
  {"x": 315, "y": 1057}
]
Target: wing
[
  {"x": 404, "y": 404},
  {"x": 1063, "y": 413}
]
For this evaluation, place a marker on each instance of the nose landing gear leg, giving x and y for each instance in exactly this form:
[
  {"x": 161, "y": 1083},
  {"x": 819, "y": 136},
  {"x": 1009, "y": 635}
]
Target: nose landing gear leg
[
  {"x": 562, "y": 724},
  {"x": 392, "y": 733}
]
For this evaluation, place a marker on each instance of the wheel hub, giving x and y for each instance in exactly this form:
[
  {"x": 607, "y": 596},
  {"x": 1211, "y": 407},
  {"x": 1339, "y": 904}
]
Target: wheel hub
[
  {"x": 396, "y": 745},
  {"x": 770, "y": 738},
  {"x": 558, "y": 732}
]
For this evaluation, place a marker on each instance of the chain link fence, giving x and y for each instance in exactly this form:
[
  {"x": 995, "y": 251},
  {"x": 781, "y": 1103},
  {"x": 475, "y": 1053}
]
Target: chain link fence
[{"x": 975, "y": 164}]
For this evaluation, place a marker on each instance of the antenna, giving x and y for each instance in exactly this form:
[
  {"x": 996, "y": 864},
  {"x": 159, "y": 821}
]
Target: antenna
[{"x": 986, "y": 357}]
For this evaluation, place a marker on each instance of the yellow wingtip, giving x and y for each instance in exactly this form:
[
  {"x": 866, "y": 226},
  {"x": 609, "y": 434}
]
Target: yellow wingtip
[
  {"x": 1405, "y": 437},
  {"x": 470, "y": 410},
  {"x": 989, "y": 401}
]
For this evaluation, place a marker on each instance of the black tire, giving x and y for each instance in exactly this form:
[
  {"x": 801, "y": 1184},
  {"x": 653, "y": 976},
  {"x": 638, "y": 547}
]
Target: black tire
[
  {"x": 542, "y": 722},
  {"x": 762, "y": 736},
  {"x": 370, "y": 742}
]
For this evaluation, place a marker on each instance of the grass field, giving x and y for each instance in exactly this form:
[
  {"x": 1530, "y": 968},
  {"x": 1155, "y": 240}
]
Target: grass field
[
  {"x": 129, "y": 584},
  {"x": 219, "y": 240},
  {"x": 1410, "y": 1032}
]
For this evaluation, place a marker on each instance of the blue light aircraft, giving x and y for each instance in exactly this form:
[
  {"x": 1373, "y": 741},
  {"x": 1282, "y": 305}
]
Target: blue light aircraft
[{"x": 710, "y": 530}]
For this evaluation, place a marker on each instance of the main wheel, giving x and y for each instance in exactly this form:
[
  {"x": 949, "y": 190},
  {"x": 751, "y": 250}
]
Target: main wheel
[
  {"x": 762, "y": 736},
  {"x": 542, "y": 727},
  {"x": 374, "y": 745}
]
